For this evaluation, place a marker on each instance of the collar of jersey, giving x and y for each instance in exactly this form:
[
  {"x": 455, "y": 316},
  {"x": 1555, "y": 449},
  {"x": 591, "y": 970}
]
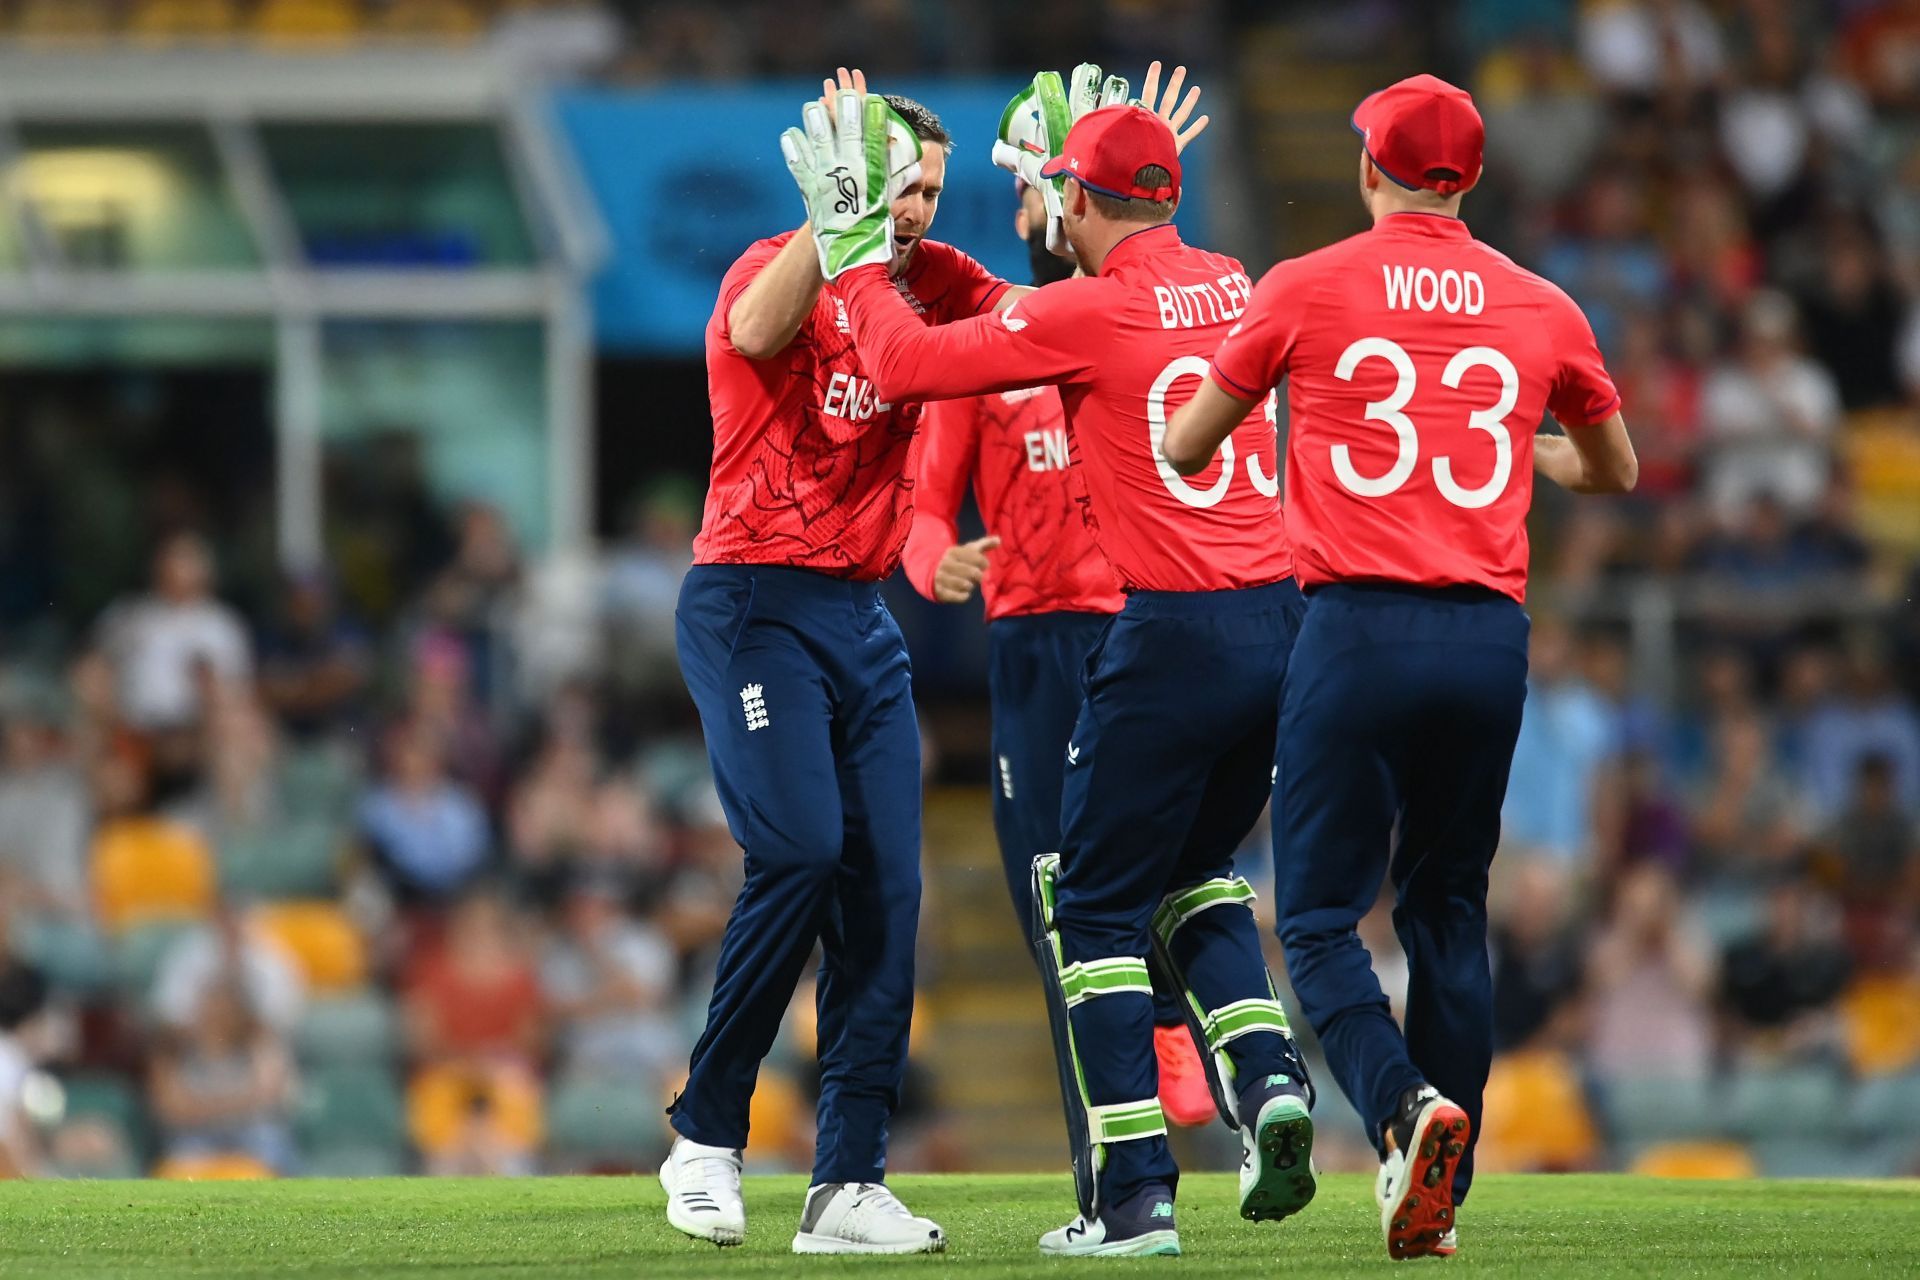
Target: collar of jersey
[
  {"x": 1418, "y": 223},
  {"x": 1131, "y": 245}
]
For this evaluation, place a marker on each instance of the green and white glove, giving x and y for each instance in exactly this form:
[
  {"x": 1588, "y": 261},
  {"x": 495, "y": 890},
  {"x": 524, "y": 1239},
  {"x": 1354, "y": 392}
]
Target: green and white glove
[
  {"x": 1033, "y": 129},
  {"x": 849, "y": 169}
]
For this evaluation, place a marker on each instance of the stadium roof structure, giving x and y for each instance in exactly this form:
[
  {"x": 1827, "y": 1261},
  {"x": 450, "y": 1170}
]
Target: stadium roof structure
[{"x": 247, "y": 109}]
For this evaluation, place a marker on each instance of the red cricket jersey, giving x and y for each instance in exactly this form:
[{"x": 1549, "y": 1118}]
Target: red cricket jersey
[
  {"x": 1419, "y": 364},
  {"x": 1125, "y": 348},
  {"x": 811, "y": 467},
  {"x": 1014, "y": 447}
]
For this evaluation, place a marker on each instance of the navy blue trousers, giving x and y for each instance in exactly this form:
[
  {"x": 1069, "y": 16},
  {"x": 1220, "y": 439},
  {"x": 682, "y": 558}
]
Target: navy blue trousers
[
  {"x": 1396, "y": 735},
  {"x": 1034, "y": 667},
  {"x": 1170, "y": 764},
  {"x": 804, "y": 691}
]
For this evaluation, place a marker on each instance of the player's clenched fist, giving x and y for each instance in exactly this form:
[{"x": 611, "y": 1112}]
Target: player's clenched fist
[{"x": 961, "y": 569}]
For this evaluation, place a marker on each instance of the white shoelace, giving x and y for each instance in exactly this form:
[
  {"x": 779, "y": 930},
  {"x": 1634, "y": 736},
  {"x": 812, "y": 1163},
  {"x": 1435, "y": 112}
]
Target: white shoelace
[
  {"x": 881, "y": 1199},
  {"x": 716, "y": 1174}
]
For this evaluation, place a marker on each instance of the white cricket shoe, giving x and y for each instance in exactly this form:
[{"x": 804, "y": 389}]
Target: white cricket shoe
[
  {"x": 703, "y": 1192},
  {"x": 863, "y": 1217}
]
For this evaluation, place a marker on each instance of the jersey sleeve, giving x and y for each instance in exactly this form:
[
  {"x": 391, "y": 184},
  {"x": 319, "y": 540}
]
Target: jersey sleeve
[
  {"x": 1253, "y": 357},
  {"x": 949, "y": 443},
  {"x": 973, "y": 289},
  {"x": 742, "y": 273},
  {"x": 1583, "y": 394},
  {"x": 1051, "y": 337}
]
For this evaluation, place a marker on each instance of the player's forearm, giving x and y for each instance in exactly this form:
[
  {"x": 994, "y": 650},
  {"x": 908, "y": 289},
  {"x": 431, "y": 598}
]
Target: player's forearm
[
  {"x": 769, "y": 312},
  {"x": 1198, "y": 427},
  {"x": 1600, "y": 459},
  {"x": 929, "y": 541},
  {"x": 907, "y": 359}
]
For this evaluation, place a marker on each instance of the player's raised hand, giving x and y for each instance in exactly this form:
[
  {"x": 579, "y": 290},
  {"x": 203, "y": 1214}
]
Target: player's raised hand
[
  {"x": 841, "y": 81},
  {"x": 961, "y": 569},
  {"x": 1171, "y": 107}
]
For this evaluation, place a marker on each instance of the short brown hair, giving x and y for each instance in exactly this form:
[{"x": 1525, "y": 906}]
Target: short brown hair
[
  {"x": 1123, "y": 209},
  {"x": 926, "y": 126}
]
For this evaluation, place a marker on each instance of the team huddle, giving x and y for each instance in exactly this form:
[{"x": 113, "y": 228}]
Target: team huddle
[{"x": 1172, "y": 646}]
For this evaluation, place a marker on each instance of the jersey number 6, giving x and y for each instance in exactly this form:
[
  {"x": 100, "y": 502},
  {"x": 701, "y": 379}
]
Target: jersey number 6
[{"x": 1492, "y": 421}]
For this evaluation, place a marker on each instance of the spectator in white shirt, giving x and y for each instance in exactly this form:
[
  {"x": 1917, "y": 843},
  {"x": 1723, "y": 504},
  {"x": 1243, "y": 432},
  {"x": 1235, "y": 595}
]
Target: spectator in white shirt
[
  {"x": 1770, "y": 415},
  {"x": 164, "y": 645}
]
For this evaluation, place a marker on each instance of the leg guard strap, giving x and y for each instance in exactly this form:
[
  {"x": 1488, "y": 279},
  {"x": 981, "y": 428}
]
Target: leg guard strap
[{"x": 1123, "y": 1121}]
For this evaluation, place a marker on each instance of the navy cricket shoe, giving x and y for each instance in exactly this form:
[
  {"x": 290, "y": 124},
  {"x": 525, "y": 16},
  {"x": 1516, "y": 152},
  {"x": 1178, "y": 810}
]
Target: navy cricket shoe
[
  {"x": 1276, "y": 1142},
  {"x": 1140, "y": 1226}
]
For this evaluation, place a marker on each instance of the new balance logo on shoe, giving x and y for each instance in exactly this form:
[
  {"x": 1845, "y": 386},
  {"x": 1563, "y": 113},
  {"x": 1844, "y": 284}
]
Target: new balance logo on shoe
[
  {"x": 1075, "y": 1231},
  {"x": 755, "y": 707},
  {"x": 1163, "y": 1209}
]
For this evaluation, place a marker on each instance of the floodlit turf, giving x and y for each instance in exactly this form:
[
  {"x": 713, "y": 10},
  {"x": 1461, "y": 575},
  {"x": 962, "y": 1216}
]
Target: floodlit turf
[{"x": 1520, "y": 1226}]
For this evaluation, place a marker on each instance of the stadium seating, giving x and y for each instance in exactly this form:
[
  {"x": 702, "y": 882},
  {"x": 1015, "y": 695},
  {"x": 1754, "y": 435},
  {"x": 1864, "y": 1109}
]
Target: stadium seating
[
  {"x": 307, "y": 22},
  {"x": 1783, "y": 1102},
  {"x": 137, "y": 954},
  {"x": 359, "y": 1027},
  {"x": 441, "y": 20},
  {"x": 112, "y": 1101},
  {"x": 318, "y": 782},
  {"x": 443, "y": 1098},
  {"x": 296, "y": 859},
  {"x": 148, "y": 868},
  {"x": 1536, "y": 1115},
  {"x": 64, "y": 20},
  {"x": 1695, "y": 1160},
  {"x": 174, "y": 20},
  {"x": 1886, "y": 1107},
  {"x": 223, "y": 1167},
  {"x": 321, "y": 940},
  {"x": 73, "y": 956},
  {"x": 600, "y": 1125},
  {"x": 1648, "y": 1109},
  {"x": 1880, "y": 1014},
  {"x": 349, "y": 1107}
]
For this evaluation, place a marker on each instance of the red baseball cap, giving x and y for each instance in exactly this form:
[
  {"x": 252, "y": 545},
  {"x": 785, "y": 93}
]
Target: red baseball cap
[
  {"x": 1105, "y": 148},
  {"x": 1419, "y": 125}
]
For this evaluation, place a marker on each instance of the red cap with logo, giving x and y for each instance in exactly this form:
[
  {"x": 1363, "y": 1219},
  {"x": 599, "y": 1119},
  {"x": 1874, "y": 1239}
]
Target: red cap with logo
[
  {"x": 1105, "y": 148},
  {"x": 1423, "y": 133}
]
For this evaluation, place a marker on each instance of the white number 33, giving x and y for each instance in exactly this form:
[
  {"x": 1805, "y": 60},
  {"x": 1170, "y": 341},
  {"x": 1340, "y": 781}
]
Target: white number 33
[{"x": 1492, "y": 421}]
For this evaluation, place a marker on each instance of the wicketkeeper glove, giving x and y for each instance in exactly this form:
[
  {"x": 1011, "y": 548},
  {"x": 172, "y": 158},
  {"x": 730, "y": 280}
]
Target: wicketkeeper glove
[
  {"x": 849, "y": 169},
  {"x": 1033, "y": 128}
]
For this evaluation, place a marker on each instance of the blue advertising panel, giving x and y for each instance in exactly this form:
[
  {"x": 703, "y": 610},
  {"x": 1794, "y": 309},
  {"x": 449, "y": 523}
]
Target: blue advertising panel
[{"x": 688, "y": 175}]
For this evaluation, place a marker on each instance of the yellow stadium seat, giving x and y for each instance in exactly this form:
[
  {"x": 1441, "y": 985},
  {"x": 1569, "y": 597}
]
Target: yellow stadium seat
[
  {"x": 168, "y": 20},
  {"x": 61, "y": 20},
  {"x": 1536, "y": 1116},
  {"x": 439, "y": 19},
  {"x": 443, "y": 1099},
  {"x": 307, "y": 22},
  {"x": 1880, "y": 1014},
  {"x": 1883, "y": 455},
  {"x": 320, "y": 939},
  {"x": 149, "y": 869},
  {"x": 1696, "y": 1160},
  {"x": 228, "y": 1167}
]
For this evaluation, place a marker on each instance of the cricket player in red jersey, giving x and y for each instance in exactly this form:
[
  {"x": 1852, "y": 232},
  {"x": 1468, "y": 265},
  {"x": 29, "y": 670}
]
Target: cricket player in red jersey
[
  {"x": 1418, "y": 365},
  {"x": 1049, "y": 593},
  {"x": 803, "y": 687},
  {"x": 1171, "y": 758}
]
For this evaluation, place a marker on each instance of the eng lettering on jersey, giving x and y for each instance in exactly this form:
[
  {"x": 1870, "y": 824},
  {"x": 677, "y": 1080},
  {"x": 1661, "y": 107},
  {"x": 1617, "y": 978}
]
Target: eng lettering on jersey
[
  {"x": 851, "y": 397},
  {"x": 1426, "y": 289},
  {"x": 1047, "y": 450},
  {"x": 1188, "y": 306}
]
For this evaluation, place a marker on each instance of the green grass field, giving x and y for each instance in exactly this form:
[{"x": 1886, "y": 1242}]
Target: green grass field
[{"x": 1521, "y": 1226}]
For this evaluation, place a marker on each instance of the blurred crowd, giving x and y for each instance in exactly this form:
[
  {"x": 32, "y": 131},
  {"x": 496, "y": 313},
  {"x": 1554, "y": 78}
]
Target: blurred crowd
[
  {"x": 428, "y": 875},
  {"x": 1711, "y": 874},
  {"x": 287, "y": 893}
]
